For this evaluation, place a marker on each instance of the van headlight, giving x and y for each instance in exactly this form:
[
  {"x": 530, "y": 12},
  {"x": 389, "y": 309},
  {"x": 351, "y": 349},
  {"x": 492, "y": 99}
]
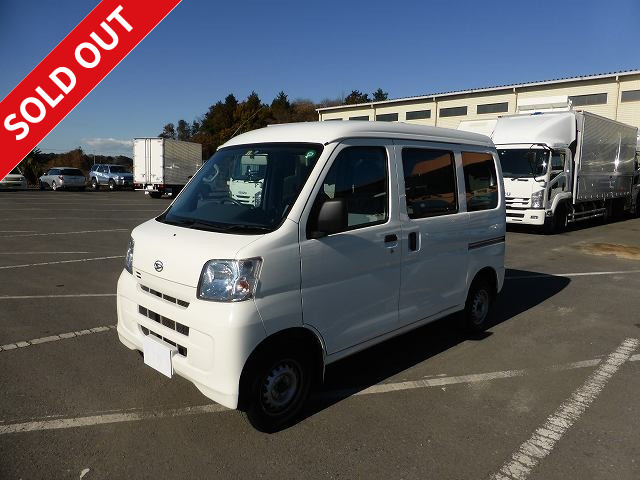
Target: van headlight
[
  {"x": 229, "y": 280},
  {"x": 128, "y": 259},
  {"x": 536, "y": 199}
]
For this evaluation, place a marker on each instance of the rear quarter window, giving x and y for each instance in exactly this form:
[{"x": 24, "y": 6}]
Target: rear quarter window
[{"x": 480, "y": 180}]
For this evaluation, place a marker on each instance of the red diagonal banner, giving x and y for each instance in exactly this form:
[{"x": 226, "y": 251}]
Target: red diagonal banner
[{"x": 71, "y": 71}]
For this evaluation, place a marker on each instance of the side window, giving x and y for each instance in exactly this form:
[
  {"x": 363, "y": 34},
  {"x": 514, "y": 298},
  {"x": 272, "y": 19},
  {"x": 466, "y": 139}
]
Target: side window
[
  {"x": 480, "y": 181},
  {"x": 359, "y": 176},
  {"x": 429, "y": 182},
  {"x": 557, "y": 162}
]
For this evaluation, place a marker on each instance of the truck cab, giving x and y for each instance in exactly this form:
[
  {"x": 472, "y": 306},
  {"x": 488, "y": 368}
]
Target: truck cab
[
  {"x": 536, "y": 178},
  {"x": 247, "y": 179}
]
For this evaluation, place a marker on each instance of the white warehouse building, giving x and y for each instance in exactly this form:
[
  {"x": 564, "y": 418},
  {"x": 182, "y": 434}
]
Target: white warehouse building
[{"x": 614, "y": 95}]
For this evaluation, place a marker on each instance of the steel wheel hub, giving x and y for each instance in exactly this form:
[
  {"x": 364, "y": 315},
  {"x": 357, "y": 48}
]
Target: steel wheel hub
[
  {"x": 480, "y": 306},
  {"x": 280, "y": 386}
]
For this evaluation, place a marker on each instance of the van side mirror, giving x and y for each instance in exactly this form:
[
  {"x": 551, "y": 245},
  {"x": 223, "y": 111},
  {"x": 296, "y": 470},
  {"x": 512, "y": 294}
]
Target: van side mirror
[{"x": 332, "y": 218}]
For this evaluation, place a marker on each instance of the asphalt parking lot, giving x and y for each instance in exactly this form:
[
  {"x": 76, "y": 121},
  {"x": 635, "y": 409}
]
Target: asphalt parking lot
[{"x": 549, "y": 392}]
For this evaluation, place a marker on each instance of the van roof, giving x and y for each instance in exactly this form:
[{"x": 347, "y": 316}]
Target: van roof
[{"x": 328, "y": 132}]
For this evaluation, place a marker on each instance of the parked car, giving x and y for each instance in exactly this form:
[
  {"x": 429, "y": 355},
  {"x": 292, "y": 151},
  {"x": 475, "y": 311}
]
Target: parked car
[
  {"x": 360, "y": 231},
  {"x": 66, "y": 178},
  {"x": 14, "y": 181},
  {"x": 111, "y": 176}
]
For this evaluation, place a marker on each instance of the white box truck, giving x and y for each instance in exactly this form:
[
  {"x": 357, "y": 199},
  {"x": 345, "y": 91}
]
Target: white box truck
[
  {"x": 564, "y": 167},
  {"x": 162, "y": 166}
]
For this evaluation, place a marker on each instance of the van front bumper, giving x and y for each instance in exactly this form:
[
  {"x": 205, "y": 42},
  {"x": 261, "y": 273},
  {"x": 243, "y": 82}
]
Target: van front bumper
[
  {"x": 214, "y": 340},
  {"x": 527, "y": 216}
]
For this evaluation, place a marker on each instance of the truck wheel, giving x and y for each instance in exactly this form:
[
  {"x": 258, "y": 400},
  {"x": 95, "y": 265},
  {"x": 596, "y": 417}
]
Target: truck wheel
[
  {"x": 112, "y": 185},
  {"x": 277, "y": 386},
  {"x": 155, "y": 194},
  {"x": 559, "y": 222},
  {"x": 478, "y": 306},
  {"x": 94, "y": 184}
]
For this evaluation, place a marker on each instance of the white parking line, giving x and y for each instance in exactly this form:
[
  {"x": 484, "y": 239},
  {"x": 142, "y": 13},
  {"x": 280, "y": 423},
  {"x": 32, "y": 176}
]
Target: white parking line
[
  {"x": 94, "y": 219},
  {"x": 131, "y": 415},
  {"x": 80, "y": 260},
  {"x": 41, "y": 253},
  {"x": 37, "y": 297},
  {"x": 17, "y": 231},
  {"x": 65, "y": 233},
  {"x": 109, "y": 418},
  {"x": 97, "y": 210},
  {"x": 55, "y": 338},
  {"x": 544, "y": 439},
  {"x": 578, "y": 274}
]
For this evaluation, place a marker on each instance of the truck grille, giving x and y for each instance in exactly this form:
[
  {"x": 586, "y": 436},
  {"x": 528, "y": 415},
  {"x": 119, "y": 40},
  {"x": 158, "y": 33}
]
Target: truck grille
[
  {"x": 181, "y": 350},
  {"x": 156, "y": 317},
  {"x": 165, "y": 297},
  {"x": 516, "y": 202}
]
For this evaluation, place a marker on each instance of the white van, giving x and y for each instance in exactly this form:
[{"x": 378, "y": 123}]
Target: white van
[{"x": 362, "y": 231}]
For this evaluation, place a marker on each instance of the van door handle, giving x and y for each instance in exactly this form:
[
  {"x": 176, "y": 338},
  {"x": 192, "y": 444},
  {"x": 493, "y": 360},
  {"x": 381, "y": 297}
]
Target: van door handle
[
  {"x": 391, "y": 238},
  {"x": 413, "y": 241}
]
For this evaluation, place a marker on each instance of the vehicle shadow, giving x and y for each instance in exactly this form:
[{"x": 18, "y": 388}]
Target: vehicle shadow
[{"x": 522, "y": 291}]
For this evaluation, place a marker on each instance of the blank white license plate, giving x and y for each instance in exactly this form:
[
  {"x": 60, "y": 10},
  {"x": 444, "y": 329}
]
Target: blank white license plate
[{"x": 158, "y": 354}]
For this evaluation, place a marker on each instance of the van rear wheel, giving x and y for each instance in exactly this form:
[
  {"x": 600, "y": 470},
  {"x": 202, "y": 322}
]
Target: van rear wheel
[
  {"x": 478, "y": 306},
  {"x": 276, "y": 388}
]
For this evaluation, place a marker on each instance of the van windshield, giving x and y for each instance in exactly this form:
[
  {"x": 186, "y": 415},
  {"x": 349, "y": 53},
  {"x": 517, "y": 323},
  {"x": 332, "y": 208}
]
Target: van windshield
[
  {"x": 244, "y": 189},
  {"x": 523, "y": 162}
]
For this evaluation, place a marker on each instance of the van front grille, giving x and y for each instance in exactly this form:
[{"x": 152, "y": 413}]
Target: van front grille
[
  {"x": 156, "y": 317},
  {"x": 164, "y": 296},
  {"x": 181, "y": 350}
]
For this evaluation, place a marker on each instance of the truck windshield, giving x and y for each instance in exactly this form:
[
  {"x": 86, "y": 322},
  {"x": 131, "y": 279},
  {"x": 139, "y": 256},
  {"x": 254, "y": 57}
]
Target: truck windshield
[
  {"x": 244, "y": 189},
  {"x": 523, "y": 162}
]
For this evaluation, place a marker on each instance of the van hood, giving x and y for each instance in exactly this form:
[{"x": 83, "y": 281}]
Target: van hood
[{"x": 181, "y": 252}]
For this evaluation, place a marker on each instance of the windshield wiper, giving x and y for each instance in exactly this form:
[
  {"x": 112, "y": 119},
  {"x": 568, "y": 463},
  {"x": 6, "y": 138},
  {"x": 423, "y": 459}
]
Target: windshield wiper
[
  {"x": 196, "y": 225},
  {"x": 258, "y": 228}
]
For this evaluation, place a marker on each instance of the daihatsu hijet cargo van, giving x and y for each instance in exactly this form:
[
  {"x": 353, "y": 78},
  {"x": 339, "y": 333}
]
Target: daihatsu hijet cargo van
[{"x": 360, "y": 231}]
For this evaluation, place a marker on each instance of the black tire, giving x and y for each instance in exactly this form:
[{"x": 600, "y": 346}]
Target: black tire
[
  {"x": 94, "y": 184},
  {"x": 636, "y": 214},
  {"x": 42, "y": 186},
  {"x": 276, "y": 387},
  {"x": 477, "y": 308},
  {"x": 112, "y": 185},
  {"x": 559, "y": 222},
  {"x": 82, "y": 189},
  {"x": 155, "y": 194}
]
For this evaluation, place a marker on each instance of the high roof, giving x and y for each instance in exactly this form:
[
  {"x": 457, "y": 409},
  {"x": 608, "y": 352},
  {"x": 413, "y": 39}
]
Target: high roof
[
  {"x": 328, "y": 132},
  {"x": 596, "y": 76}
]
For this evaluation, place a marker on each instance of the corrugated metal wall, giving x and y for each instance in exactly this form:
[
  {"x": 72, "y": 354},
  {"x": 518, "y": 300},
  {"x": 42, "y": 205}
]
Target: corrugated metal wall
[{"x": 626, "y": 112}]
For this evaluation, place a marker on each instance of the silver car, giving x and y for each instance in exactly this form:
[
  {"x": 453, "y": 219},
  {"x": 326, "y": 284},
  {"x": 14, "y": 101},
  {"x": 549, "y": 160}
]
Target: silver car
[
  {"x": 63, "y": 178},
  {"x": 14, "y": 181}
]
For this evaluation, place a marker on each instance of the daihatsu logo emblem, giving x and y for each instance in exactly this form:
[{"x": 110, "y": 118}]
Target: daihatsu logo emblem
[{"x": 158, "y": 266}]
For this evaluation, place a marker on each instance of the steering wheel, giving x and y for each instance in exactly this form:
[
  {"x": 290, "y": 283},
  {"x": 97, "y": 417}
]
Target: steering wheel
[{"x": 232, "y": 201}]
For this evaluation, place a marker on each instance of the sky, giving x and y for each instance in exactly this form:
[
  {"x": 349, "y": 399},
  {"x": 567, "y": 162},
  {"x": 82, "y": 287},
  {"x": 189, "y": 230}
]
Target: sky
[{"x": 205, "y": 50}]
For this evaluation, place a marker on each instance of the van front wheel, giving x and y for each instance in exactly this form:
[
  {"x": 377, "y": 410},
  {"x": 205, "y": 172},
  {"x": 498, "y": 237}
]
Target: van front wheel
[
  {"x": 277, "y": 388},
  {"x": 478, "y": 306}
]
